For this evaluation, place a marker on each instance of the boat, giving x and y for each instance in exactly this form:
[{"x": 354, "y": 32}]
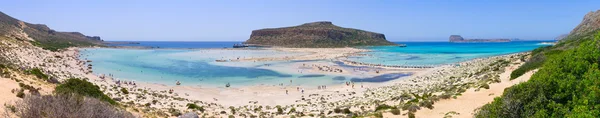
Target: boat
[
  {"x": 401, "y": 45},
  {"x": 221, "y": 60},
  {"x": 239, "y": 45}
]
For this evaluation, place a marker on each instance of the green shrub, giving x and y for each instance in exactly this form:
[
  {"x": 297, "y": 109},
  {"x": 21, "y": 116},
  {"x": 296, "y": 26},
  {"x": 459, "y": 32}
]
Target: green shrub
[
  {"x": 84, "y": 88},
  {"x": 292, "y": 110},
  {"x": 337, "y": 110},
  {"x": 382, "y": 107},
  {"x": 124, "y": 91},
  {"x": 347, "y": 111},
  {"x": 194, "y": 106},
  {"x": 279, "y": 110},
  {"x": 21, "y": 94},
  {"x": 174, "y": 112},
  {"x": 395, "y": 111},
  {"x": 485, "y": 86},
  {"x": 567, "y": 85},
  {"x": 38, "y": 73}
]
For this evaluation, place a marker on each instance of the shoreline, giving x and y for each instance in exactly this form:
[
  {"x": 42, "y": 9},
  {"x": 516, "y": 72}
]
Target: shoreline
[{"x": 312, "y": 101}]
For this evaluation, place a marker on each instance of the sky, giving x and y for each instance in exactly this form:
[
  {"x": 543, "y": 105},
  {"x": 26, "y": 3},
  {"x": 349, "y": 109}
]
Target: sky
[{"x": 234, "y": 20}]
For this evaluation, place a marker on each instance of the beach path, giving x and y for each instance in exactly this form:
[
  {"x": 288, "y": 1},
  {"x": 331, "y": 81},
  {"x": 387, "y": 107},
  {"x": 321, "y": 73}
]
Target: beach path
[{"x": 466, "y": 104}]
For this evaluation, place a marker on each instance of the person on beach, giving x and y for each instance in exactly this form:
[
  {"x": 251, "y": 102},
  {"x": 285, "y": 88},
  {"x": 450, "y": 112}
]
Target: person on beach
[
  {"x": 302, "y": 90},
  {"x": 286, "y": 91}
]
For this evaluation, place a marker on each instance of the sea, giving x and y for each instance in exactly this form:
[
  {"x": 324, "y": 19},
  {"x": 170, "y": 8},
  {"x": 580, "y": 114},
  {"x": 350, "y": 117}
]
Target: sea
[{"x": 193, "y": 63}]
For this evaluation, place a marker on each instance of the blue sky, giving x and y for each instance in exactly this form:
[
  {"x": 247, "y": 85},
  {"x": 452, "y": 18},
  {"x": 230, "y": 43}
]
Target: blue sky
[{"x": 399, "y": 20}]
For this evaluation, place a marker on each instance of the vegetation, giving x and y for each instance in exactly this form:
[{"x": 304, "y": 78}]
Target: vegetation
[
  {"x": 317, "y": 35},
  {"x": 195, "y": 107},
  {"x": 539, "y": 55},
  {"x": 395, "y": 111},
  {"x": 45, "y": 37},
  {"x": 84, "y": 88},
  {"x": 38, "y": 73},
  {"x": 383, "y": 107},
  {"x": 567, "y": 85},
  {"x": 124, "y": 91},
  {"x": 66, "y": 106}
]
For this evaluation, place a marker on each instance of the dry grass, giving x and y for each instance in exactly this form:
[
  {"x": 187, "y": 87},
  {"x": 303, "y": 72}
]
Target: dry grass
[{"x": 67, "y": 106}]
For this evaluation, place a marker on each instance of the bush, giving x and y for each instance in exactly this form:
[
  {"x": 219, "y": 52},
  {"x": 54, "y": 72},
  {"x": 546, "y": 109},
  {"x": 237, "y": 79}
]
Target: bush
[
  {"x": 124, "y": 91},
  {"x": 38, "y": 73},
  {"x": 347, "y": 111},
  {"x": 174, "y": 112},
  {"x": 21, "y": 94},
  {"x": 292, "y": 110},
  {"x": 67, "y": 106},
  {"x": 279, "y": 110},
  {"x": 84, "y": 88},
  {"x": 195, "y": 107},
  {"x": 337, "y": 110},
  {"x": 395, "y": 111},
  {"x": 485, "y": 86},
  {"x": 382, "y": 107}
]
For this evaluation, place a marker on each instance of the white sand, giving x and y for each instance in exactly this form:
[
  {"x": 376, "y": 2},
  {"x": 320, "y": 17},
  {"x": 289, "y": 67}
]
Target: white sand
[{"x": 244, "y": 99}]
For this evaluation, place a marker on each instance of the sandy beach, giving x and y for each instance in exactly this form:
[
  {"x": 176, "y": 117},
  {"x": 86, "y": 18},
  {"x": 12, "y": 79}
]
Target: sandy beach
[{"x": 151, "y": 99}]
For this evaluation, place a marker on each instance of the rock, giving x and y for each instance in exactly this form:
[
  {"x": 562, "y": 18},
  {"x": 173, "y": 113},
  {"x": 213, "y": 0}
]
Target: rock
[
  {"x": 560, "y": 37},
  {"x": 189, "y": 115},
  {"x": 456, "y": 38},
  {"x": 590, "y": 22},
  {"x": 316, "y": 35}
]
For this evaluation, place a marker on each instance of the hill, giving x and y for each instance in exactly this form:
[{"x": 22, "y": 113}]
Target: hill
[
  {"x": 42, "y": 36},
  {"x": 316, "y": 35},
  {"x": 566, "y": 84}
]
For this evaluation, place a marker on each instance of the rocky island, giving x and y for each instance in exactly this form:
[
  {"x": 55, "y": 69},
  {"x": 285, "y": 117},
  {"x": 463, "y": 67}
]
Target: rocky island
[
  {"x": 321, "y": 34},
  {"x": 459, "y": 39}
]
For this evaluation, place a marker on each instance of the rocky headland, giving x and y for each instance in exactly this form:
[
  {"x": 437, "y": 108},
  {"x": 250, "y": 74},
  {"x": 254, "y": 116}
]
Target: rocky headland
[{"x": 316, "y": 35}]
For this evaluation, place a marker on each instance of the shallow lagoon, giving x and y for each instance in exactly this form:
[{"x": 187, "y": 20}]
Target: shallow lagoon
[{"x": 197, "y": 67}]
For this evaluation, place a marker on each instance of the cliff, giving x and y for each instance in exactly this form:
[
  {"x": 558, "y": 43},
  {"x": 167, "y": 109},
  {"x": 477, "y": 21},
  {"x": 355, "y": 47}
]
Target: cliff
[
  {"x": 42, "y": 36},
  {"x": 316, "y": 35},
  {"x": 459, "y": 39}
]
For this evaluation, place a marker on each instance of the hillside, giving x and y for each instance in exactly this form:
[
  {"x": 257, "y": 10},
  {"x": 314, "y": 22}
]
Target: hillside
[
  {"x": 590, "y": 22},
  {"x": 42, "y": 36},
  {"x": 316, "y": 35},
  {"x": 566, "y": 84}
]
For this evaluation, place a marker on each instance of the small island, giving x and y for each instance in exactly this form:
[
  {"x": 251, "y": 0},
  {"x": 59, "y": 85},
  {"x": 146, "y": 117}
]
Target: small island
[
  {"x": 459, "y": 39},
  {"x": 321, "y": 34}
]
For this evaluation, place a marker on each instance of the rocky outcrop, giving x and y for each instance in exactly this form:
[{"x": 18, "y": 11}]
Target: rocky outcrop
[
  {"x": 590, "y": 22},
  {"x": 316, "y": 35},
  {"x": 454, "y": 38},
  {"x": 459, "y": 39}
]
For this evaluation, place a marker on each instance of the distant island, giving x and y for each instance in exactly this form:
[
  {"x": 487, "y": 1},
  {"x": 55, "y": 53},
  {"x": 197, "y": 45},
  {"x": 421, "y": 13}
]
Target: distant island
[
  {"x": 321, "y": 34},
  {"x": 459, "y": 39}
]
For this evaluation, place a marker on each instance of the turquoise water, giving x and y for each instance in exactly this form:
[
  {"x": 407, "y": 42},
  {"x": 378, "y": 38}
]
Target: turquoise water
[
  {"x": 197, "y": 67},
  {"x": 436, "y": 53}
]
